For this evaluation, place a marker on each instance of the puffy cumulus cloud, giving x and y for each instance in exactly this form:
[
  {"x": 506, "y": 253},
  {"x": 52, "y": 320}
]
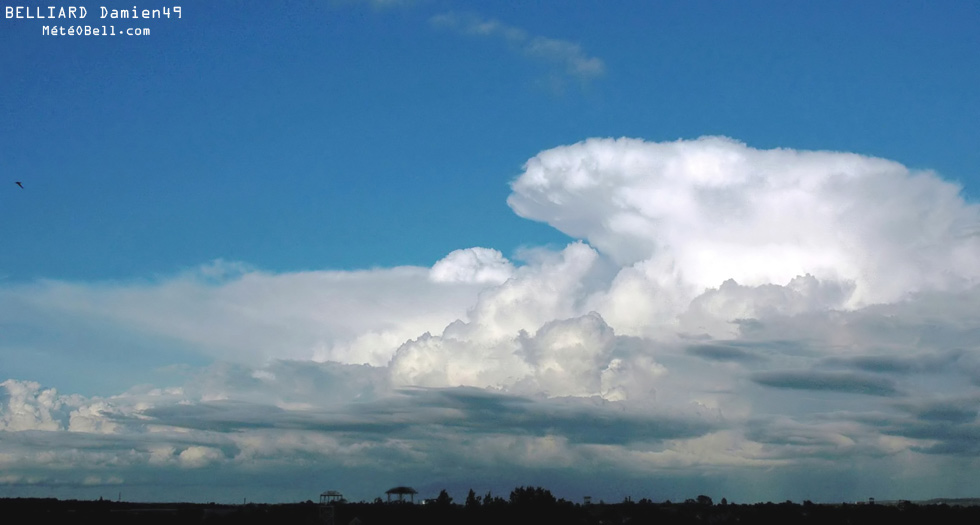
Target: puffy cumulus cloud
[
  {"x": 26, "y": 406},
  {"x": 29, "y": 407},
  {"x": 714, "y": 311},
  {"x": 93, "y": 417},
  {"x": 569, "y": 354},
  {"x": 699, "y": 212},
  {"x": 197, "y": 456},
  {"x": 472, "y": 265},
  {"x": 563, "y": 358},
  {"x": 552, "y": 287},
  {"x": 483, "y": 350}
]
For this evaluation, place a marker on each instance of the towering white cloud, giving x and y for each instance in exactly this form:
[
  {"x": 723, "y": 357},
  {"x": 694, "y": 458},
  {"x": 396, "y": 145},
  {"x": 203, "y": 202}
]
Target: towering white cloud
[
  {"x": 26, "y": 405},
  {"x": 30, "y": 407},
  {"x": 695, "y": 213},
  {"x": 472, "y": 265},
  {"x": 486, "y": 350}
]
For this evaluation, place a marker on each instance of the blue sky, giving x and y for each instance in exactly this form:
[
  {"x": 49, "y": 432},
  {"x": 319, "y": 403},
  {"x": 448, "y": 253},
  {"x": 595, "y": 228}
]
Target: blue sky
[
  {"x": 289, "y": 137},
  {"x": 421, "y": 203}
]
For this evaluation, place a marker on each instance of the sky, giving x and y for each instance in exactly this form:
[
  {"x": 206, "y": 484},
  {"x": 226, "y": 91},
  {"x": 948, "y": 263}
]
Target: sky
[{"x": 643, "y": 249}]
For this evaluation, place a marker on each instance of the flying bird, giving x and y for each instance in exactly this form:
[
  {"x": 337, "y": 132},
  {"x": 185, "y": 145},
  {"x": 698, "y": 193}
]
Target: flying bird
[{"x": 19, "y": 184}]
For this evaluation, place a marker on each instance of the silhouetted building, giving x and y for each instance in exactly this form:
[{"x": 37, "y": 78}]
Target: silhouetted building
[
  {"x": 331, "y": 496},
  {"x": 401, "y": 492}
]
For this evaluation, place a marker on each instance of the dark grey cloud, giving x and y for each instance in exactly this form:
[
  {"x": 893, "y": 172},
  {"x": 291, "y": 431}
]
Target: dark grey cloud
[
  {"x": 791, "y": 434},
  {"x": 903, "y": 365},
  {"x": 46, "y": 440},
  {"x": 949, "y": 426},
  {"x": 465, "y": 411},
  {"x": 963, "y": 442},
  {"x": 828, "y": 381},
  {"x": 958, "y": 410},
  {"x": 950, "y": 438},
  {"x": 719, "y": 352},
  {"x": 581, "y": 420},
  {"x": 952, "y": 424},
  {"x": 235, "y": 416}
]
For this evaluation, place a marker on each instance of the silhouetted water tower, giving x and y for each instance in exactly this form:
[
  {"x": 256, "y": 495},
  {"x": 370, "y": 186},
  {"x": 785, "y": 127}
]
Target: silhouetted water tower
[{"x": 327, "y": 501}]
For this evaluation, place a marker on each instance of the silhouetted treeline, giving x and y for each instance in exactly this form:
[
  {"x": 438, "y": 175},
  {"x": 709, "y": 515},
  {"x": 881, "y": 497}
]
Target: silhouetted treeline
[{"x": 525, "y": 505}]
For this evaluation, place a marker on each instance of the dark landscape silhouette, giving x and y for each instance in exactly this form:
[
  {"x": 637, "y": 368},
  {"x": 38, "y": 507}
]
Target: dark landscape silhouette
[{"x": 524, "y": 505}]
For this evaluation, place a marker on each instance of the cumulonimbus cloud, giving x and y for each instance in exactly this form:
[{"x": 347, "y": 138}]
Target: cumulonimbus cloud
[
  {"x": 703, "y": 211},
  {"x": 708, "y": 276}
]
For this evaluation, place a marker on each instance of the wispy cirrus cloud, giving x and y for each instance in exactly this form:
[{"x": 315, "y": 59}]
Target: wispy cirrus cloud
[{"x": 565, "y": 55}]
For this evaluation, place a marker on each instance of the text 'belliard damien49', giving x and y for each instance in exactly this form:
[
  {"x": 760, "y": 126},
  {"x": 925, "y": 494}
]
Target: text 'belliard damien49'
[{"x": 11, "y": 11}]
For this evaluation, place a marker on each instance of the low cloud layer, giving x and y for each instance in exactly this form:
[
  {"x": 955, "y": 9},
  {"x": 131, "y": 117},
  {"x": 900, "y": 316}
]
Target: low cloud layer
[{"x": 785, "y": 317}]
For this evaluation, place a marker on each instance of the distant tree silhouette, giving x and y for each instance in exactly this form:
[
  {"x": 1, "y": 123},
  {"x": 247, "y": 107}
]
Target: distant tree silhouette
[
  {"x": 490, "y": 499},
  {"x": 533, "y": 506},
  {"x": 532, "y": 496},
  {"x": 704, "y": 500},
  {"x": 472, "y": 500},
  {"x": 444, "y": 499}
]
